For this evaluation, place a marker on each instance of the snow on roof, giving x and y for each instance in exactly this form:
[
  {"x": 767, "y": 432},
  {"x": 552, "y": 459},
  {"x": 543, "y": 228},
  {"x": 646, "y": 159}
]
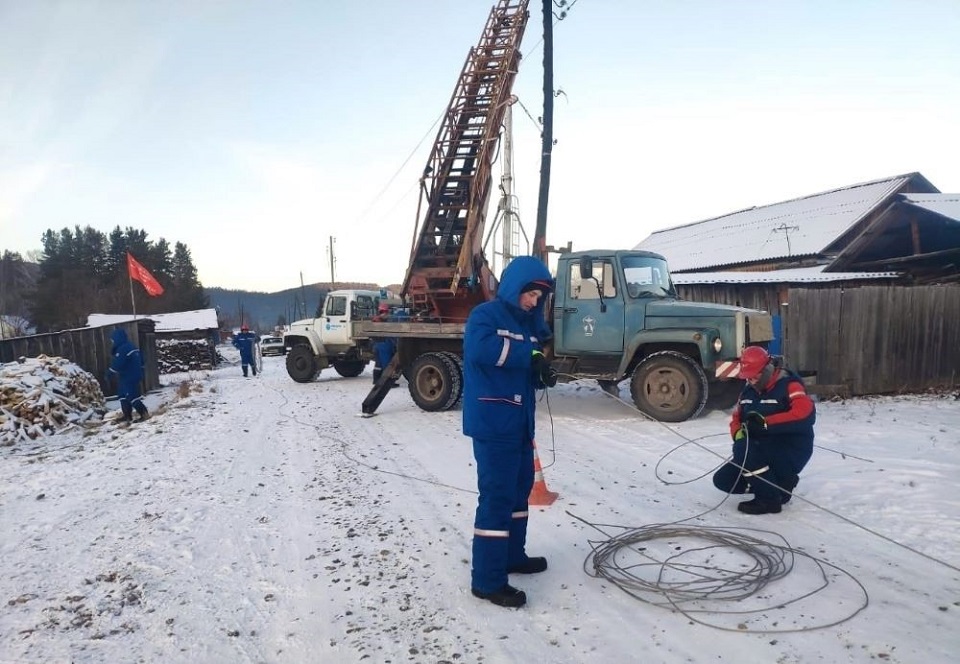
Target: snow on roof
[
  {"x": 182, "y": 321},
  {"x": 793, "y": 275},
  {"x": 946, "y": 205},
  {"x": 799, "y": 227}
]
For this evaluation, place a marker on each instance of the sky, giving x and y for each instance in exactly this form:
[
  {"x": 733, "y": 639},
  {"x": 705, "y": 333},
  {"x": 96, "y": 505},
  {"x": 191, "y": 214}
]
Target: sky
[
  {"x": 299, "y": 125},
  {"x": 261, "y": 520}
]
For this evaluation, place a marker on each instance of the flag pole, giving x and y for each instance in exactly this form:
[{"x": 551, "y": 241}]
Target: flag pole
[{"x": 133, "y": 302}]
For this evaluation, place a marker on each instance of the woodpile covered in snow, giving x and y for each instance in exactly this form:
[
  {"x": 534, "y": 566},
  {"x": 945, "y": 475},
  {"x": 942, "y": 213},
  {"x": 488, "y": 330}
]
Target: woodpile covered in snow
[
  {"x": 41, "y": 395},
  {"x": 178, "y": 355}
]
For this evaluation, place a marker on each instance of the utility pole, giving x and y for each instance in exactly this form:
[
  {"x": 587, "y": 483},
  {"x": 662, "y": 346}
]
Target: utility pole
[
  {"x": 333, "y": 275},
  {"x": 303, "y": 296},
  {"x": 540, "y": 235}
]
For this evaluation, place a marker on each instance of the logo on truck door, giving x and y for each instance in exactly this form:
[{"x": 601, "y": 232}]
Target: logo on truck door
[{"x": 588, "y": 326}]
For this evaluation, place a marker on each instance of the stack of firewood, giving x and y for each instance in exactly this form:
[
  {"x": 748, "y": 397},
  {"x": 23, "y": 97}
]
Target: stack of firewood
[
  {"x": 178, "y": 355},
  {"x": 42, "y": 395}
]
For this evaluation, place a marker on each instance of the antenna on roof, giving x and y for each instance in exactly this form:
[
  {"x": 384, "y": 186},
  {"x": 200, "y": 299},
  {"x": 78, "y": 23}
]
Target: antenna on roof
[{"x": 783, "y": 228}]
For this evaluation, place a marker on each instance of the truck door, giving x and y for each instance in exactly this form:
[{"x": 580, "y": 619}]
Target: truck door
[
  {"x": 336, "y": 317},
  {"x": 587, "y": 323}
]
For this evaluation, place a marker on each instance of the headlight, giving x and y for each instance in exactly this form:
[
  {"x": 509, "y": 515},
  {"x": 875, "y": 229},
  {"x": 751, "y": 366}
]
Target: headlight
[{"x": 717, "y": 345}]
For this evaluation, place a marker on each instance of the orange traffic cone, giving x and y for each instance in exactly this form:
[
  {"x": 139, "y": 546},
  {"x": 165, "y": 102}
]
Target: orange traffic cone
[{"x": 540, "y": 495}]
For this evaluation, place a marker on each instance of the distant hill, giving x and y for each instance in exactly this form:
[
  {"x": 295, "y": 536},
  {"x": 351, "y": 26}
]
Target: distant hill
[{"x": 263, "y": 311}]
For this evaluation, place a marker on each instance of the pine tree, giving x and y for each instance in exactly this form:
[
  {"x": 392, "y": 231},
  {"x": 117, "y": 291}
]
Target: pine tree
[
  {"x": 83, "y": 271},
  {"x": 188, "y": 289}
]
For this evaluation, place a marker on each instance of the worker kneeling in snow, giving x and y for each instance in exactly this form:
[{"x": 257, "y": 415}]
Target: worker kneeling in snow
[
  {"x": 503, "y": 367},
  {"x": 772, "y": 429}
]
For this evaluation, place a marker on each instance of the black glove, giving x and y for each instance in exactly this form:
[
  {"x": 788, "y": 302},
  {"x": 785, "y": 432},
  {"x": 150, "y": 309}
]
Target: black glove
[
  {"x": 755, "y": 423},
  {"x": 542, "y": 370}
]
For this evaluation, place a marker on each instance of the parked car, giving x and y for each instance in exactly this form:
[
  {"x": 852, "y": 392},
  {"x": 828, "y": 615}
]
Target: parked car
[{"x": 272, "y": 346}]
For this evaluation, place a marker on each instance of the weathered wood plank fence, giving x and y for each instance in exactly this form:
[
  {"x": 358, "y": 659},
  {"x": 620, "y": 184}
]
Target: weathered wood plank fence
[
  {"x": 876, "y": 339},
  {"x": 89, "y": 348}
]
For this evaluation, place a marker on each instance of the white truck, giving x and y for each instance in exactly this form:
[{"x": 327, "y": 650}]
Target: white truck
[{"x": 314, "y": 344}]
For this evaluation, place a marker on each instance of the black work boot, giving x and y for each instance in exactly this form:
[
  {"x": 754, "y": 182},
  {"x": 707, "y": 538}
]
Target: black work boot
[
  {"x": 142, "y": 412},
  {"x": 533, "y": 565},
  {"x": 760, "y": 506},
  {"x": 507, "y": 596},
  {"x": 244, "y": 372},
  {"x": 789, "y": 485}
]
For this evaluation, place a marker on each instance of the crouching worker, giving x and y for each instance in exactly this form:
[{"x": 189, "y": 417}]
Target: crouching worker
[
  {"x": 772, "y": 429},
  {"x": 128, "y": 366},
  {"x": 503, "y": 369}
]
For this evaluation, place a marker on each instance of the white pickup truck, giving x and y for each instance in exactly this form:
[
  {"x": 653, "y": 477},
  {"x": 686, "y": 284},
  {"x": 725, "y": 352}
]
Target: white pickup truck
[{"x": 313, "y": 344}]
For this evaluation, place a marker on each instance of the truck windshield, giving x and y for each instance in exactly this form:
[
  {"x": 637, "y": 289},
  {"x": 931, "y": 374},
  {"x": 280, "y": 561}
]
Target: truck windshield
[{"x": 647, "y": 277}]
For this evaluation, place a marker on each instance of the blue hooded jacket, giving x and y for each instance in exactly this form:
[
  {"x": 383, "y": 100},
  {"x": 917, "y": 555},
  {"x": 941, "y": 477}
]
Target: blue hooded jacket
[
  {"x": 126, "y": 361},
  {"x": 499, "y": 340}
]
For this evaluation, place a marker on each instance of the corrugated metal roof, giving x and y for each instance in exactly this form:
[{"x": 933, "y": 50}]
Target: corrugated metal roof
[
  {"x": 947, "y": 205},
  {"x": 795, "y": 228},
  {"x": 790, "y": 276}
]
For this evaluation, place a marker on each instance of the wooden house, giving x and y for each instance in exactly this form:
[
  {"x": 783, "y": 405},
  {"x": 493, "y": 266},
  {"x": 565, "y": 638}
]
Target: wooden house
[{"x": 863, "y": 281}]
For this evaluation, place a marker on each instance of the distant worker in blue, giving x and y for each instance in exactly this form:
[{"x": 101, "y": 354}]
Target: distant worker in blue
[
  {"x": 772, "y": 430},
  {"x": 127, "y": 364},
  {"x": 246, "y": 342},
  {"x": 504, "y": 366},
  {"x": 383, "y": 349}
]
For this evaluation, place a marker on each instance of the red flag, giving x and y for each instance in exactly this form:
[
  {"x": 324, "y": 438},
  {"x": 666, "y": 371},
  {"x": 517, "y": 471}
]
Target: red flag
[{"x": 141, "y": 274}]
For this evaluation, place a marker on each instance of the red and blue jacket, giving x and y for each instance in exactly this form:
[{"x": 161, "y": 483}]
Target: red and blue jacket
[{"x": 788, "y": 410}]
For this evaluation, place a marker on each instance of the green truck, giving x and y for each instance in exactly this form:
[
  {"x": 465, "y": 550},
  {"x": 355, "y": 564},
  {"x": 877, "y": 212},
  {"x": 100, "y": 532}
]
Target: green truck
[{"x": 615, "y": 317}]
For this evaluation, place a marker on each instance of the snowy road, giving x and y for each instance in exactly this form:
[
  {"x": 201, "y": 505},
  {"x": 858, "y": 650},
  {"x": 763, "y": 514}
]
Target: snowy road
[{"x": 260, "y": 520}]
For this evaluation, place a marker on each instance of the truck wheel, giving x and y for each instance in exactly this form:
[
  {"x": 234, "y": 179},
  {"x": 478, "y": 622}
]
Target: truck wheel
[
  {"x": 458, "y": 364},
  {"x": 669, "y": 386},
  {"x": 434, "y": 382},
  {"x": 349, "y": 369},
  {"x": 724, "y": 394},
  {"x": 301, "y": 364}
]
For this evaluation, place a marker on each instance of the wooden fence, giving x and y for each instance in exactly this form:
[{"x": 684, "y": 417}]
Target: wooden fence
[
  {"x": 876, "y": 339},
  {"x": 89, "y": 348}
]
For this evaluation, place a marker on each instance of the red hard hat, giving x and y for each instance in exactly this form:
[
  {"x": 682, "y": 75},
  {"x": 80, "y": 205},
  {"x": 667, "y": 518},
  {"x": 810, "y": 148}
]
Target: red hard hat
[
  {"x": 384, "y": 307},
  {"x": 752, "y": 362},
  {"x": 244, "y": 328}
]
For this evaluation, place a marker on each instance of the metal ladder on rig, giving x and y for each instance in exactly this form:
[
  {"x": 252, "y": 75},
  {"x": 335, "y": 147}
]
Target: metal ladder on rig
[{"x": 444, "y": 277}]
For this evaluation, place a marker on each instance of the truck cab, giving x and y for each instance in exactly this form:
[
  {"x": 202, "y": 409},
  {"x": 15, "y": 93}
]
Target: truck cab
[
  {"x": 313, "y": 344},
  {"x": 616, "y": 315}
]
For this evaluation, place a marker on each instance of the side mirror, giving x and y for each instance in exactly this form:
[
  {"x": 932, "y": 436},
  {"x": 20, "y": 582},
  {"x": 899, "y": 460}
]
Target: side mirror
[{"x": 586, "y": 267}]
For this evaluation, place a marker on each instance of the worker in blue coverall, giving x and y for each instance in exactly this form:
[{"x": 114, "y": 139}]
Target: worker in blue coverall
[
  {"x": 383, "y": 349},
  {"x": 503, "y": 367},
  {"x": 772, "y": 430},
  {"x": 128, "y": 366},
  {"x": 245, "y": 342}
]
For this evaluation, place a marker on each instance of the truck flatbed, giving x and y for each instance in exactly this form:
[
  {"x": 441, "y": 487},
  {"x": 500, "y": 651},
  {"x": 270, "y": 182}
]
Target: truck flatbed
[{"x": 368, "y": 329}]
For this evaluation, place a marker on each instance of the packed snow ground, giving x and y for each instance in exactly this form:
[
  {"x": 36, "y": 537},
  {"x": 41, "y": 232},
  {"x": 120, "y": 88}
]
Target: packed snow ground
[{"x": 261, "y": 520}]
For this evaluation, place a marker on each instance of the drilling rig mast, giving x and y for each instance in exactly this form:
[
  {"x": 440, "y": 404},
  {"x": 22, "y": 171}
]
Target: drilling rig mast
[{"x": 448, "y": 273}]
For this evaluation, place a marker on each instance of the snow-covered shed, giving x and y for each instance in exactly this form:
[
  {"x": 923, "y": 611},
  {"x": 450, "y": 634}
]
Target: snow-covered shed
[
  {"x": 200, "y": 320},
  {"x": 185, "y": 340}
]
